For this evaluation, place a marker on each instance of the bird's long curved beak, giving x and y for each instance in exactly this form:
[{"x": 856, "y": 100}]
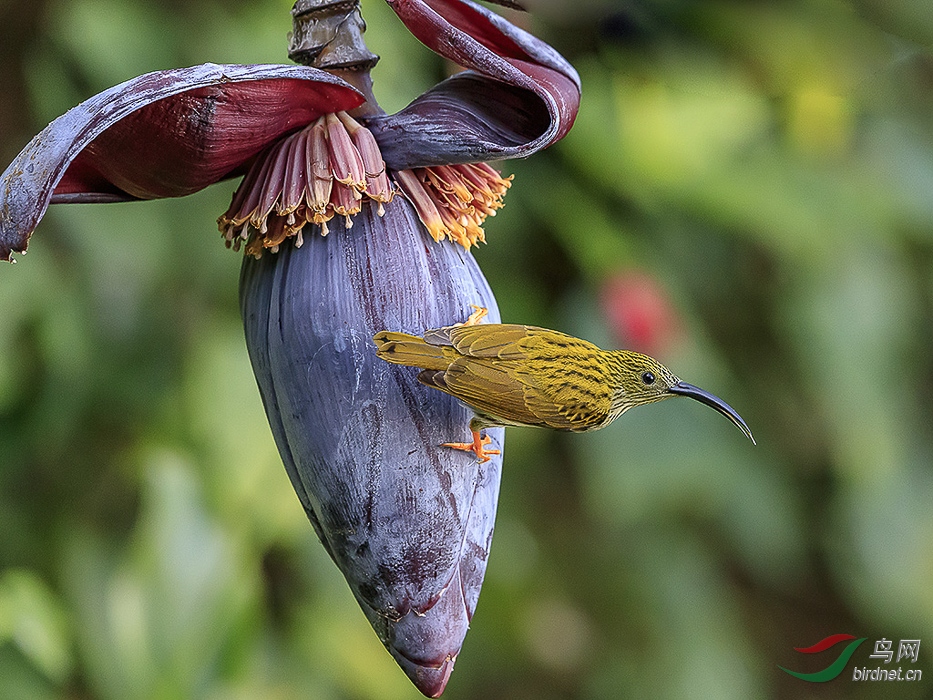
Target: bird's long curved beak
[{"x": 695, "y": 392}]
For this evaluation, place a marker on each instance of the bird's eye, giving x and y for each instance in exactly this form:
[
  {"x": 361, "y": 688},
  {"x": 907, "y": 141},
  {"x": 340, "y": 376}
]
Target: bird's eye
[{"x": 647, "y": 377}]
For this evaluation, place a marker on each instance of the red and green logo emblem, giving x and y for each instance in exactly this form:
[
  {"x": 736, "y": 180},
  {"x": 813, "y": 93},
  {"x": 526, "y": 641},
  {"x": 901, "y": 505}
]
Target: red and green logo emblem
[{"x": 836, "y": 667}]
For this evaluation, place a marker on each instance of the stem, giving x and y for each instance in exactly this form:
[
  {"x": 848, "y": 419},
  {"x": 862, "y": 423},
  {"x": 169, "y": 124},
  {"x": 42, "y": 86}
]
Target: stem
[{"x": 328, "y": 34}]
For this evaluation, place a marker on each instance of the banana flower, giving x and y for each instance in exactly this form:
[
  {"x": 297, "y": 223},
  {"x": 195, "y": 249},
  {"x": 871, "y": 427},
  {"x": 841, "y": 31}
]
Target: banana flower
[{"x": 352, "y": 221}]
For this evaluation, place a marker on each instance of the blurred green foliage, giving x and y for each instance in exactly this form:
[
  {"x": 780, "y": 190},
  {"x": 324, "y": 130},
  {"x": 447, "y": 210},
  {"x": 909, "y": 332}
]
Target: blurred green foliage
[{"x": 768, "y": 166}]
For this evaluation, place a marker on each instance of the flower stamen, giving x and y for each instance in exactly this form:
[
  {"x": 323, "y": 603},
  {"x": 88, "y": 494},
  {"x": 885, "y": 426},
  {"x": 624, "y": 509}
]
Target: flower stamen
[
  {"x": 327, "y": 169},
  {"x": 377, "y": 181},
  {"x": 413, "y": 188},
  {"x": 453, "y": 201},
  {"x": 344, "y": 157},
  {"x": 331, "y": 168}
]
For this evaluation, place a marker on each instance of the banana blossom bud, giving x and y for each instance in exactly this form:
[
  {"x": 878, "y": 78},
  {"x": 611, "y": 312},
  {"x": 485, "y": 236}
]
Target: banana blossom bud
[{"x": 409, "y": 523}]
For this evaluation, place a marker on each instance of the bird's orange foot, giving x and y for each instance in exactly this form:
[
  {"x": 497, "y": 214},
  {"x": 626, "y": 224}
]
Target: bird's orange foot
[
  {"x": 479, "y": 312},
  {"x": 477, "y": 447}
]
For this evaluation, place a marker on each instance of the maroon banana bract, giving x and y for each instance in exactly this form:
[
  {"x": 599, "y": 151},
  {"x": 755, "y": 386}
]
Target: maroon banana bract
[
  {"x": 408, "y": 523},
  {"x": 518, "y": 97},
  {"x": 174, "y": 132},
  {"x": 164, "y": 134}
]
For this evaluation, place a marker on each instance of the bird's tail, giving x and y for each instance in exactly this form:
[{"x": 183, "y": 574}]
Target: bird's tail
[{"x": 405, "y": 349}]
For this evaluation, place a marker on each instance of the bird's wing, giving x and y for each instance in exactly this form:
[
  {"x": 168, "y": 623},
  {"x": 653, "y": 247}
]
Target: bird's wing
[
  {"x": 504, "y": 341},
  {"x": 522, "y": 375},
  {"x": 484, "y": 386},
  {"x": 501, "y": 340}
]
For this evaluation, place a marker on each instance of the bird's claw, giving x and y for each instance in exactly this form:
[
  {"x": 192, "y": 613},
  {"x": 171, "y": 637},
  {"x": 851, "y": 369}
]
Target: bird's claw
[
  {"x": 479, "y": 312},
  {"x": 477, "y": 447}
]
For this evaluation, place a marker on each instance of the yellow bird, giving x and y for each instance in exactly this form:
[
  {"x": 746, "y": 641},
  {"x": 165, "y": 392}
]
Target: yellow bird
[{"x": 511, "y": 374}]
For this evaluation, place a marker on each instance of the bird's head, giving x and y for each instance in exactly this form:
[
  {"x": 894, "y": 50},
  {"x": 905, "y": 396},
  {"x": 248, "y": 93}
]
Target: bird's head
[{"x": 640, "y": 379}]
